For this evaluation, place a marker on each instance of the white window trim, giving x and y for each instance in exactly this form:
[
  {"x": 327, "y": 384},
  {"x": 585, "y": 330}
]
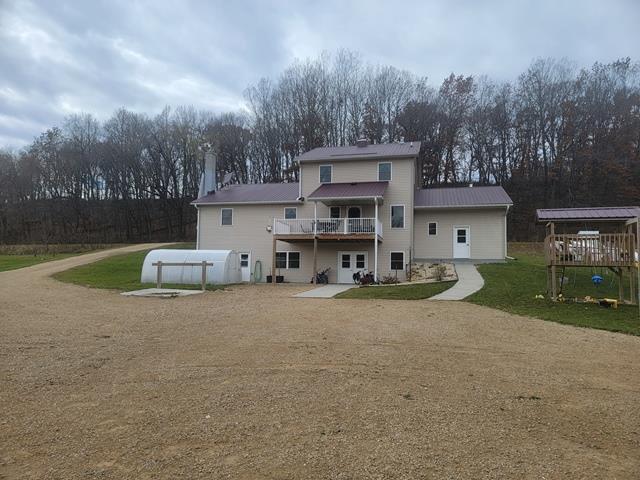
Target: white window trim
[
  {"x": 390, "y": 171},
  {"x": 232, "y": 215},
  {"x": 390, "y": 262},
  {"x": 320, "y": 175},
  {"x": 284, "y": 213},
  {"x": 404, "y": 216},
  {"x": 430, "y": 234},
  {"x": 287, "y": 252}
]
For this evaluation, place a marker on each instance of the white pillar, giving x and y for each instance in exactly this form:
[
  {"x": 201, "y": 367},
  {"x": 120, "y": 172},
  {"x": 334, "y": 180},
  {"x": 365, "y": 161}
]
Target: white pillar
[
  {"x": 315, "y": 218},
  {"x": 375, "y": 239}
]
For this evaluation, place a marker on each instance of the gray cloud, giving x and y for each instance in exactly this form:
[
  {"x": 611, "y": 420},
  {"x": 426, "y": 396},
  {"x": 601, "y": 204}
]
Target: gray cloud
[{"x": 63, "y": 57}]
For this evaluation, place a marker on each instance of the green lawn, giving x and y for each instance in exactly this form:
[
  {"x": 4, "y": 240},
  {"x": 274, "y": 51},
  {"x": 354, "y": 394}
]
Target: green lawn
[
  {"x": 512, "y": 287},
  {"x": 416, "y": 291},
  {"x": 12, "y": 262},
  {"x": 120, "y": 272}
]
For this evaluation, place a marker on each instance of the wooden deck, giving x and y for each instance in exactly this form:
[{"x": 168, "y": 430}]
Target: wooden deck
[
  {"x": 603, "y": 250},
  {"x": 328, "y": 237}
]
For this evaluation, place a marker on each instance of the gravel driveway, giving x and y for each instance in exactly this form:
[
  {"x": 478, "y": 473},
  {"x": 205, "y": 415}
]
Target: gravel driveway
[{"x": 251, "y": 383}]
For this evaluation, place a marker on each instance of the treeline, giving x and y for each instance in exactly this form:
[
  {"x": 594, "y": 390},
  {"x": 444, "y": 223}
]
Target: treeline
[{"x": 556, "y": 136}]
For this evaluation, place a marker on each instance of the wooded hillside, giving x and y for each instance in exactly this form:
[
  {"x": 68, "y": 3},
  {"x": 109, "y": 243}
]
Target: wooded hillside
[{"x": 556, "y": 136}]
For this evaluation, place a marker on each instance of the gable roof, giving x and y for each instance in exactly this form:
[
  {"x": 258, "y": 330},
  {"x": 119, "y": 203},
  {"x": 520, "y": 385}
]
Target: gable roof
[
  {"x": 588, "y": 213},
  {"x": 252, "y": 193},
  {"x": 349, "y": 190},
  {"x": 462, "y": 197},
  {"x": 353, "y": 152}
]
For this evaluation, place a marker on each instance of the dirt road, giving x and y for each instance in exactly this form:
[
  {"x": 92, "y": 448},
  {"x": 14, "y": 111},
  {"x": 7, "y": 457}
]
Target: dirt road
[{"x": 251, "y": 383}]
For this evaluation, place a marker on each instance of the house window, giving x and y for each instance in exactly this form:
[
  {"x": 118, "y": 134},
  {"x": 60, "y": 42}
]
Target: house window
[
  {"x": 346, "y": 260},
  {"x": 244, "y": 260},
  {"x": 294, "y": 260},
  {"x": 397, "y": 260},
  {"x": 281, "y": 259},
  {"x": 397, "y": 216},
  {"x": 287, "y": 260},
  {"x": 290, "y": 213},
  {"x": 384, "y": 172},
  {"x": 432, "y": 228},
  {"x": 335, "y": 212},
  {"x": 326, "y": 172},
  {"x": 360, "y": 260},
  {"x": 226, "y": 216}
]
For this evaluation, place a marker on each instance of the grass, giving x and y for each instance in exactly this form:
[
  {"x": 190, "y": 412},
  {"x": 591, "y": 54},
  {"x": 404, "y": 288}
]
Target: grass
[
  {"x": 120, "y": 272},
  {"x": 13, "y": 257},
  {"x": 13, "y": 262},
  {"x": 416, "y": 291},
  {"x": 512, "y": 287}
]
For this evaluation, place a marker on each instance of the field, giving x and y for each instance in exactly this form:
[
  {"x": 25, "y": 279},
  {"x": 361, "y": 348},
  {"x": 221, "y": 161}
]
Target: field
[
  {"x": 513, "y": 286},
  {"x": 252, "y": 383}
]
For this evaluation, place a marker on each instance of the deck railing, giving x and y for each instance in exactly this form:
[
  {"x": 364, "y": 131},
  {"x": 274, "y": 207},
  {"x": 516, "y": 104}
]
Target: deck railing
[
  {"x": 607, "y": 249},
  {"x": 321, "y": 226}
]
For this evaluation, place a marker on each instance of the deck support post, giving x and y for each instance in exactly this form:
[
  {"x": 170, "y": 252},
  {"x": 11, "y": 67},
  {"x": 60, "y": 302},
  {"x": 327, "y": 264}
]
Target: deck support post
[
  {"x": 375, "y": 243},
  {"x": 273, "y": 262},
  {"x": 315, "y": 259}
]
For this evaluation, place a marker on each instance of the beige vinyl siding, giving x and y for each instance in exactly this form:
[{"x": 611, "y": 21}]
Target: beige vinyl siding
[
  {"x": 487, "y": 232},
  {"x": 400, "y": 191}
]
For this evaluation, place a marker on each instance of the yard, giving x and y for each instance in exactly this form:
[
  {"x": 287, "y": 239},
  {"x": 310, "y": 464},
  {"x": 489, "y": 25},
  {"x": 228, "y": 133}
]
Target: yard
[
  {"x": 512, "y": 287},
  {"x": 252, "y": 383},
  {"x": 416, "y": 291}
]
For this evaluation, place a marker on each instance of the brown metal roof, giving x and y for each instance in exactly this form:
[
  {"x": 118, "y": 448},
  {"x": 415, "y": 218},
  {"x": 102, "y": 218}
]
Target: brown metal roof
[
  {"x": 353, "y": 152},
  {"x": 590, "y": 213},
  {"x": 461, "y": 197},
  {"x": 349, "y": 190},
  {"x": 252, "y": 193}
]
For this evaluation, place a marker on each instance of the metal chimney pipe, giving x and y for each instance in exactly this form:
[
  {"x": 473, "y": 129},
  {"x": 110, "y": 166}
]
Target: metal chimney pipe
[{"x": 208, "y": 180}]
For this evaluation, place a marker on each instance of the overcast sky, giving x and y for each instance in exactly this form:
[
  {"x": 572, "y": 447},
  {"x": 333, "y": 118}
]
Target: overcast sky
[{"x": 59, "y": 57}]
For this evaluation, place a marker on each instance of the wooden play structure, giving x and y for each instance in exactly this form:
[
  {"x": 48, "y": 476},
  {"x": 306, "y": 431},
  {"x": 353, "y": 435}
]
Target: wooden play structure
[{"x": 618, "y": 250}]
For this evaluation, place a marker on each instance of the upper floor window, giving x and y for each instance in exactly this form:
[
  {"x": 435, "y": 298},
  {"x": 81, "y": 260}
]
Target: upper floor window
[
  {"x": 226, "y": 216},
  {"x": 432, "y": 228},
  {"x": 290, "y": 213},
  {"x": 384, "y": 172},
  {"x": 326, "y": 172},
  {"x": 397, "y": 216}
]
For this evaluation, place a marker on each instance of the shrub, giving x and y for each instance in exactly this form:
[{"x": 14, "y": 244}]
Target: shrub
[
  {"x": 440, "y": 272},
  {"x": 389, "y": 280}
]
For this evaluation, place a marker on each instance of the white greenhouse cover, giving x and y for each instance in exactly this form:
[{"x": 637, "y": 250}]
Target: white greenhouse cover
[{"x": 225, "y": 269}]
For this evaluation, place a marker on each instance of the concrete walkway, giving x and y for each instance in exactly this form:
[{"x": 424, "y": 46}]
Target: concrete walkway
[
  {"x": 469, "y": 281},
  {"x": 326, "y": 291}
]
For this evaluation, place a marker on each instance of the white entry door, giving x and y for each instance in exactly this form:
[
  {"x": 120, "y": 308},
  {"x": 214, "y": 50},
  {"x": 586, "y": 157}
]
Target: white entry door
[
  {"x": 245, "y": 266},
  {"x": 350, "y": 263},
  {"x": 461, "y": 242}
]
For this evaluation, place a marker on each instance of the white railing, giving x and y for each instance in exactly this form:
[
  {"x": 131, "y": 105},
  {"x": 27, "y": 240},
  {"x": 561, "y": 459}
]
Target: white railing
[{"x": 345, "y": 226}]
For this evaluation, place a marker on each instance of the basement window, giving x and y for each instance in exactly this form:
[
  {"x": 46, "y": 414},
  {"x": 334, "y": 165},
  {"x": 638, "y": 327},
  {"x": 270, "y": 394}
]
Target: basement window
[
  {"x": 397, "y": 260},
  {"x": 288, "y": 260}
]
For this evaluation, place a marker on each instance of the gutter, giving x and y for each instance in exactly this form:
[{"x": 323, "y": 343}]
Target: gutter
[
  {"x": 257, "y": 202},
  {"x": 489, "y": 205}
]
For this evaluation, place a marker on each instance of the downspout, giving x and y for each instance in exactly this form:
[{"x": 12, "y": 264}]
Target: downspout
[
  {"x": 505, "y": 230},
  {"x": 198, "y": 229}
]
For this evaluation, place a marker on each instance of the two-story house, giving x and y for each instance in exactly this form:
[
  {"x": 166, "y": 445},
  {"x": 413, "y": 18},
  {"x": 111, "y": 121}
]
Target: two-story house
[{"x": 355, "y": 208}]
